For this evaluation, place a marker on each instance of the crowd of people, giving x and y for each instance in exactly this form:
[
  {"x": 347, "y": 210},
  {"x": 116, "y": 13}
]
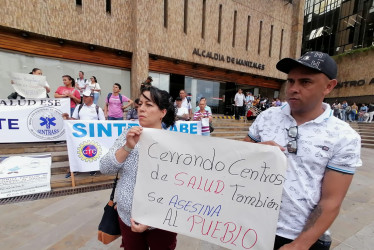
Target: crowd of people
[
  {"x": 353, "y": 112},
  {"x": 248, "y": 105}
]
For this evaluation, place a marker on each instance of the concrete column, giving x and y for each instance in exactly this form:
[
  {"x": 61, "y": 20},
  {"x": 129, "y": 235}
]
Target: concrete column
[
  {"x": 140, "y": 57},
  {"x": 297, "y": 28}
]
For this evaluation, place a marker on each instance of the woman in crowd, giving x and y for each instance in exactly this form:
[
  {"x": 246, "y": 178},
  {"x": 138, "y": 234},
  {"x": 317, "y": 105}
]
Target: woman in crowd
[
  {"x": 36, "y": 71},
  {"x": 132, "y": 114},
  {"x": 363, "y": 113},
  {"x": 95, "y": 88},
  {"x": 200, "y": 115},
  {"x": 154, "y": 109},
  {"x": 68, "y": 90},
  {"x": 354, "y": 111}
]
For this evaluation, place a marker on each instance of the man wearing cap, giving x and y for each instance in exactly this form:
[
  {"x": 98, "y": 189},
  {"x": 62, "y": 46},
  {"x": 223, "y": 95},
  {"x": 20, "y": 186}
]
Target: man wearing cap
[
  {"x": 147, "y": 83},
  {"x": 88, "y": 110},
  {"x": 322, "y": 151}
]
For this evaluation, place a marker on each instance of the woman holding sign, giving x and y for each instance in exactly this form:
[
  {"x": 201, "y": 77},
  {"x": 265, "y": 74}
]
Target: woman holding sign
[{"x": 154, "y": 109}]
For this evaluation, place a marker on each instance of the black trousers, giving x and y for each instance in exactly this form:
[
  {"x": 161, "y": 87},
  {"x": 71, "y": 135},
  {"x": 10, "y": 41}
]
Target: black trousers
[
  {"x": 239, "y": 110},
  {"x": 319, "y": 245}
]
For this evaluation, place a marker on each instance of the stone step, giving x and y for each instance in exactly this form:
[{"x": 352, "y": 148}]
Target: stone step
[
  {"x": 59, "y": 181},
  {"x": 229, "y": 129},
  {"x": 61, "y": 167},
  {"x": 227, "y": 134},
  {"x": 34, "y": 147},
  {"x": 56, "y": 156},
  {"x": 367, "y": 145}
]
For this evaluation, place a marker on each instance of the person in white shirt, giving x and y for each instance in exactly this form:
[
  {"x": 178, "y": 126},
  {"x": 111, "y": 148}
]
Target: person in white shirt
[
  {"x": 322, "y": 151},
  {"x": 239, "y": 103},
  {"x": 95, "y": 89},
  {"x": 249, "y": 99},
  {"x": 88, "y": 110},
  {"x": 185, "y": 102},
  {"x": 182, "y": 112},
  {"x": 81, "y": 83},
  {"x": 207, "y": 108}
]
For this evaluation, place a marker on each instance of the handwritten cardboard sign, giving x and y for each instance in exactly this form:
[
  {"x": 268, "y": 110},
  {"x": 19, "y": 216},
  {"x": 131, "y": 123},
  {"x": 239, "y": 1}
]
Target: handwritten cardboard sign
[
  {"x": 29, "y": 86},
  {"x": 223, "y": 191}
]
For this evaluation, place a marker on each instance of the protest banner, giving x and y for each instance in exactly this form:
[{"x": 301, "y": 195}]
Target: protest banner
[
  {"x": 32, "y": 120},
  {"x": 28, "y": 85},
  {"x": 88, "y": 141},
  {"x": 223, "y": 191},
  {"x": 22, "y": 175}
]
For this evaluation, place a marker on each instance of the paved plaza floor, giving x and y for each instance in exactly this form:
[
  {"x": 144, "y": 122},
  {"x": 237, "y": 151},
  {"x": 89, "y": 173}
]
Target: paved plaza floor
[{"x": 70, "y": 222}]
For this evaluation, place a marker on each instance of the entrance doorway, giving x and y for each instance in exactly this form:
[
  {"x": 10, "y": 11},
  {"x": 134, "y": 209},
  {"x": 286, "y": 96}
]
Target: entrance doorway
[{"x": 176, "y": 84}]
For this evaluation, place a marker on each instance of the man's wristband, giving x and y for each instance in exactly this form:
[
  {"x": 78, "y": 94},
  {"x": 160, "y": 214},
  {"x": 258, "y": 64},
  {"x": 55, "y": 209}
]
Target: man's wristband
[{"x": 127, "y": 149}]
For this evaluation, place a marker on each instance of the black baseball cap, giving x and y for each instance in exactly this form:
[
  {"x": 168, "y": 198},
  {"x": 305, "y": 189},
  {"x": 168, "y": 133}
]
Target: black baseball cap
[{"x": 316, "y": 60}]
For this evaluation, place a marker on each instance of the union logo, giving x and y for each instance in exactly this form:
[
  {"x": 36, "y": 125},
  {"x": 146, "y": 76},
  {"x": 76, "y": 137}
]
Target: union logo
[
  {"x": 89, "y": 151},
  {"x": 46, "y": 123}
]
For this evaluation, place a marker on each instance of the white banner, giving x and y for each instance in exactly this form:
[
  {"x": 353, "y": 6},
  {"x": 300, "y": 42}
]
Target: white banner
[
  {"x": 88, "y": 141},
  {"x": 28, "y": 85},
  {"x": 223, "y": 191},
  {"x": 31, "y": 120},
  {"x": 22, "y": 175}
]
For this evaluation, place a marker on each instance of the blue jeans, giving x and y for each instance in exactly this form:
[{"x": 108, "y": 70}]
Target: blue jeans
[
  {"x": 71, "y": 111},
  {"x": 352, "y": 115},
  {"x": 343, "y": 115},
  {"x": 96, "y": 97},
  {"x": 115, "y": 118}
]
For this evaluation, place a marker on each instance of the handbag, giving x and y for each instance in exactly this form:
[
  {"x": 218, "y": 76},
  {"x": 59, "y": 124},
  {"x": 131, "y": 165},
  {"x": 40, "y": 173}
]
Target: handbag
[
  {"x": 109, "y": 229},
  {"x": 211, "y": 128}
]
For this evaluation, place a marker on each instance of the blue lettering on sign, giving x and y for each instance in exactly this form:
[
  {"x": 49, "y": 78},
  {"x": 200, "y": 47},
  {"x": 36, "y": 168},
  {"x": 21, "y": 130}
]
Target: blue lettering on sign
[
  {"x": 183, "y": 128},
  {"x": 120, "y": 127},
  {"x": 173, "y": 128},
  {"x": 193, "y": 128},
  {"x": 189, "y": 128},
  {"x": 12, "y": 123},
  {"x": 100, "y": 129},
  {"x": 80, "y": 127}
]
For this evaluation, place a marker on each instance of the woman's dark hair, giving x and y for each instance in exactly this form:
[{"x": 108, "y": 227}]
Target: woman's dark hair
[
  {"x": 137, "y": 100},
  {"x": 119, "y": 85},
  {"x": 34, "y": 70},
  {"x": 71, "y": 79},
  {"x": 162, "y": 99},
  {"x": 94, "y": 78}
]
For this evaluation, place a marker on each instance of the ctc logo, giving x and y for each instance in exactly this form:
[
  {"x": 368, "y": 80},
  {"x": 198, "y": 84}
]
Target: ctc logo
[{"x": 89, "y": 151}]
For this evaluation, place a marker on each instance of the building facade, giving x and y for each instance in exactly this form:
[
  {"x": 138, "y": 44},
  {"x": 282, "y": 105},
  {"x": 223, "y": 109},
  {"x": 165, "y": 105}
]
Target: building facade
[
  {"x": 210, "y": 48},
  {"x": 344, "y": 30}
]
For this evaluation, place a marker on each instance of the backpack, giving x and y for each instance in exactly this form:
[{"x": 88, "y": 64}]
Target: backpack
[
  {"x": 110, "y": 94},
  {"x": 96, "y": 107},
  {"x": 348, "y": 109}
]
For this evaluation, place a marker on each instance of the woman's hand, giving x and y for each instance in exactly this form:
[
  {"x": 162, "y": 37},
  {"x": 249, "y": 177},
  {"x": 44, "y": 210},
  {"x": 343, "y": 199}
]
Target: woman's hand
[
  {"x": 137, "y": 227},
  {"x": 133, "y": 136}
]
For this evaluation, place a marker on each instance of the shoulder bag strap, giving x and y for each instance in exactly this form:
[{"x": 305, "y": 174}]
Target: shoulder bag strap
[{"x": 114, "y": 188}]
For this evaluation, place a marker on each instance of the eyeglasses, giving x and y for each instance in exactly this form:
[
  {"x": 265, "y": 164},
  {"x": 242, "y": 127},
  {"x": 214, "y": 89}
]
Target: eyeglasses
[{"x": 292, "y": 145}]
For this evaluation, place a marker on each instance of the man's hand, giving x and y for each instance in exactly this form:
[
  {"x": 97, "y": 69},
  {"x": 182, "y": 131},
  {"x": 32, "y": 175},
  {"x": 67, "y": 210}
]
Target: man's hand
[
  {"x": 292, "y": 246},
  {"x": 137, "y": 227},
  {"x": 65, "y": 116},
  {"x": 271, "y": 143}
]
